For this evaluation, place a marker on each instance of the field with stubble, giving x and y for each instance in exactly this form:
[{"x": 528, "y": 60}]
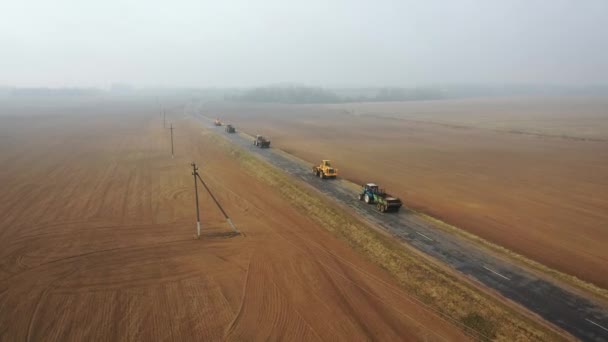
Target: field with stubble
[
  {"x": 97, "y": 227},
  {"x": 529, "y": 174}
]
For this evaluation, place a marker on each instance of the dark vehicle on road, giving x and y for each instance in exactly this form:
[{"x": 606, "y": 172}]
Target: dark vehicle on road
[
  {"x": 261, "y": 142},
  {"x": 372, "y": 194}
]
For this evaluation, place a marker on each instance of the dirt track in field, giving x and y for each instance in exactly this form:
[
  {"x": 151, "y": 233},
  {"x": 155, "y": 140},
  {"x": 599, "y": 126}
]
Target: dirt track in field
[
  {"x": 539, "y": 195},
  {"x": 97, "y": 242}
]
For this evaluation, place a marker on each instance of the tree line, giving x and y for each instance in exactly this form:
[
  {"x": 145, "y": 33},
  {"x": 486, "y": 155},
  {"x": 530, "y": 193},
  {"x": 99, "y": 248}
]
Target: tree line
[{"x": 303, "y": 95}]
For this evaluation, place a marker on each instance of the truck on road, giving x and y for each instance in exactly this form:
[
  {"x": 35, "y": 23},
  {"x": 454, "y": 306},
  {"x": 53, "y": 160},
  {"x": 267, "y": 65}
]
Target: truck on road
[{"x": 261, "y": 141}]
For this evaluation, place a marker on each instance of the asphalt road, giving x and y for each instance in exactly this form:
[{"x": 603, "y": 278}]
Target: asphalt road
[{"x": 578, "y": 315}]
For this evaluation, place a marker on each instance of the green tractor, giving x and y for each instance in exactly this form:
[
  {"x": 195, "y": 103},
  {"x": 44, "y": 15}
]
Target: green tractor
[{"x": 372, "y": 194}]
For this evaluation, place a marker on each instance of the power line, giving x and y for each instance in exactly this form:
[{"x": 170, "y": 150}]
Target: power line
[
  {"x": 218, "y": 205},
  {"x": 198, "y": 219}
]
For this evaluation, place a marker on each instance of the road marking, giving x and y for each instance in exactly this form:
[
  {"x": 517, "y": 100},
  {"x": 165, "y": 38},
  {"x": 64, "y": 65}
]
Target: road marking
[
  {"x": 592, "y": 322},
  {"x": 426, "y": 237},
  {"x": 498, "y": 274}
]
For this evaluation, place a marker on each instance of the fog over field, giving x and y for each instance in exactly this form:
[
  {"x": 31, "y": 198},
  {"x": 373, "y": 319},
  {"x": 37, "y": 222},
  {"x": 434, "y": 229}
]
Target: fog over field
[
  {"x": 304, "y": 170},
  {"x": 69, "y": 43}
]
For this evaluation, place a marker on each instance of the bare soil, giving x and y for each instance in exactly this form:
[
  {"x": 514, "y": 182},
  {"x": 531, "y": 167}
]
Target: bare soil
[
  {"x": 539, "y": 187},
  {"x": 97, "y": 228}
]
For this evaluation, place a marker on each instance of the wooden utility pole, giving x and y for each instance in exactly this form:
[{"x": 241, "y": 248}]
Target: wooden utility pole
[
  {"x": 164, "y": 120},
  {"x": 171, "y": 140},
  {"x": 198, "y": 219}
]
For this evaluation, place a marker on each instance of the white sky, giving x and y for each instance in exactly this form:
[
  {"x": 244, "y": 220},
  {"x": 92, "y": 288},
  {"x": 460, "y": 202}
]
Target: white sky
[{"x": 315, "y": 42}]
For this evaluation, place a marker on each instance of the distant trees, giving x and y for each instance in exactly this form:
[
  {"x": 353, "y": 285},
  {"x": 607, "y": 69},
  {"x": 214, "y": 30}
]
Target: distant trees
[
  {"x": 292, "y": 94},
  {"x": 303, "y": 95},
  {"x": 408, "y": 94}
]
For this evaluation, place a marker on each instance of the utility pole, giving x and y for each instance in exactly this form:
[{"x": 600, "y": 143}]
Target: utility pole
[
  {"x": 171, "y": 140},
  {"x": 198, "y": 219},
  {"x": 164, "y": 120}
]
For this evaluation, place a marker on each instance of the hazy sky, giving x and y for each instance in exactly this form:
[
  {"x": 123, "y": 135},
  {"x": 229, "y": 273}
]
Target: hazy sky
[{"x": 314, "y": 42}]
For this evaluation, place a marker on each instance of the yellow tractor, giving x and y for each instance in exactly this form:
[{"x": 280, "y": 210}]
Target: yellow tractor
[
  {"x": 325, "y": 170},
  {"x": 217, "y": 122}
]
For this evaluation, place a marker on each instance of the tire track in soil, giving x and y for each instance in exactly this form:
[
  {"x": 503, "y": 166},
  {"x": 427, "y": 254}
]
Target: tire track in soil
[
  {"x": 298, "y": 313},
  {"x": 327, "y": 268},
  {"x": 393, "y": 289},
  {"x": 367, "y": 291},
  {"x": 39, "y": 301},
  {"x": 16, "y": 252},
  {"x": 237, "y": 317},
  {"x": 267, "y": 309},
  {"x": 95, "y": 252},
  {"x": 348, "y": 264}
]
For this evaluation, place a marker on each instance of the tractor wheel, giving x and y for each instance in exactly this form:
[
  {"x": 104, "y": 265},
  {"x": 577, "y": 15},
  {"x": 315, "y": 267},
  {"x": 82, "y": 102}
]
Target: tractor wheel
[
  {"x": 368, "y": 200},
  {"x": 384, "y": 208},
  {"x": 321, "y": 175},
  {"x": 379, "y": 207}
]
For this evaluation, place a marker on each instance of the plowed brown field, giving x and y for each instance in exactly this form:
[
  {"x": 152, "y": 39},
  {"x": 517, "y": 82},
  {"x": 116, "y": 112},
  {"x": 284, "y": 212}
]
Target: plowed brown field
[
  {"x": 97, "y": 243},
  {"x": 530, "y": 175}
]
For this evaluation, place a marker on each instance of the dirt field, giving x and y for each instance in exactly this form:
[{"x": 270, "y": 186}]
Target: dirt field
[
  {"x": 521, "y": 177},
  {"x": 97, "y": 242},
  {"x": 574, "y": 117}
]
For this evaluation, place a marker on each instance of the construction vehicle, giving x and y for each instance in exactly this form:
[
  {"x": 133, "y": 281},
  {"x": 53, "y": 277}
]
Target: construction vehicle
[
  {"x": 217, "y": 122},
  {"x": 325, "y": 170},
  {"x": 261, "y": 142},
  {"x": 230, "y": 129},
  {"x": 372, "y": 194}
]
